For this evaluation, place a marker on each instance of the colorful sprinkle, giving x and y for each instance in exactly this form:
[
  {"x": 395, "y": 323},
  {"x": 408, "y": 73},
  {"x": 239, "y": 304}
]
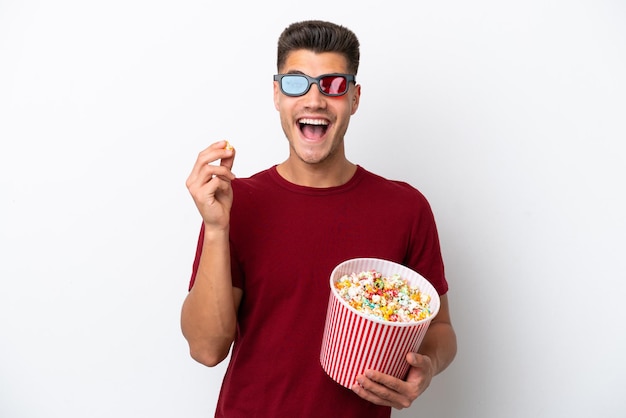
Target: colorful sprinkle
[{"x": 391, "y": 299}]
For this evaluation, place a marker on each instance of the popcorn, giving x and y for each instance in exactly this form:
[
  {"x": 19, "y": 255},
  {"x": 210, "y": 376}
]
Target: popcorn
[{"x": 391, "y": 299}]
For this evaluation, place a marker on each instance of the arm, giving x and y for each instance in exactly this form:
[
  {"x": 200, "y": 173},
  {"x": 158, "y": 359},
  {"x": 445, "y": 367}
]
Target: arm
[
  {"x": 209, "y": 312},
  {"x": 439, "y": 343},
  {"x": 436, "y": 352}
]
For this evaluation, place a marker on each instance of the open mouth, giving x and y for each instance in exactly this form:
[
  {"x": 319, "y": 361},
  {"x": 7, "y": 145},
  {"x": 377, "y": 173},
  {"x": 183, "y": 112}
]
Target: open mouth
[{"x": 313, "y": 128}]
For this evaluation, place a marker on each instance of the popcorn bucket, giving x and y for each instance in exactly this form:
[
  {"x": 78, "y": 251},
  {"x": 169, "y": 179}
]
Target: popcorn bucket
[{"x": 354, "y": 341}]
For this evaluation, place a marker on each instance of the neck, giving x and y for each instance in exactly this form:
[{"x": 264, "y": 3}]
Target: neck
[{"x": 317, "y": 175}]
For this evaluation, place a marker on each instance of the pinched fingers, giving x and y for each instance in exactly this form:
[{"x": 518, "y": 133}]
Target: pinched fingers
[
  {"x": 216, "y": 190},
  {"x": 221, "y": 150},
  {"x": 206, "y": 168},
  {"x": 208, "y": 172},
  {"x": 209, "y": 183}
]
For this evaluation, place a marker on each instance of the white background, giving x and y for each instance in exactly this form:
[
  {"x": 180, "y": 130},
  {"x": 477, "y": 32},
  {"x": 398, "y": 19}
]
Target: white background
[{"x": 509, "y": 116}]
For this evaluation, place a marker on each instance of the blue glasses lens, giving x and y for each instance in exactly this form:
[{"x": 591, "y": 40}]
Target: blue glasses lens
[{"x": 294, "y": 84}]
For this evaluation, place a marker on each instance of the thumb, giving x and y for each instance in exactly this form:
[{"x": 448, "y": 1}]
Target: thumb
[
  {"x": 229, "y": 159},
  {"x": 417, "y": 360}
]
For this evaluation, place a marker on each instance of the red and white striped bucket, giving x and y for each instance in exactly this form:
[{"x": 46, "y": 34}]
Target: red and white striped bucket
[{"x": 354, "y": 342}]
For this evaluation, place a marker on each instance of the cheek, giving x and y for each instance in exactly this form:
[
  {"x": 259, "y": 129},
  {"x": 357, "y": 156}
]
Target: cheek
[{"x": 286, "y": 124}]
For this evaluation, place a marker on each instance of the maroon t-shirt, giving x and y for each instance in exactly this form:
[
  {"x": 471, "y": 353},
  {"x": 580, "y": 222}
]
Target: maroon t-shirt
[{"x": 285, "y": 241}]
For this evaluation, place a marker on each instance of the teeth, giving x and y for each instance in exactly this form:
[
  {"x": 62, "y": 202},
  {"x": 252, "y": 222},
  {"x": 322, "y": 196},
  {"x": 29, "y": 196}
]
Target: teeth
[{"x": 313, "y": 121}]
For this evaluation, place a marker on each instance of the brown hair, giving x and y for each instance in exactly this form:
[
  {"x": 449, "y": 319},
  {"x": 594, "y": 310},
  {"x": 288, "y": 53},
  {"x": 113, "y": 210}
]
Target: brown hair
[{"x": 319, "y": 36}]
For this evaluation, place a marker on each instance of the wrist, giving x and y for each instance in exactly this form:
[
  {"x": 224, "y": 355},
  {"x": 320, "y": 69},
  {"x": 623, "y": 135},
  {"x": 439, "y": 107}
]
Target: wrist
[{"x": 213, "y": 233}]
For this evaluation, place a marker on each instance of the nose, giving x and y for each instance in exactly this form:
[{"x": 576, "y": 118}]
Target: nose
[{"x": 314, "y": 97}]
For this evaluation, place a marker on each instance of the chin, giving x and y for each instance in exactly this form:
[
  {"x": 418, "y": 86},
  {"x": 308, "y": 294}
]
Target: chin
[
  {"x": 309, "y": 158},
  {"x": 312, "y": 157}
]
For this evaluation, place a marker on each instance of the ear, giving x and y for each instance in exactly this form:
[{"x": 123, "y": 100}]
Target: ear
[
  {"x": 356, "y": 98},
  {"x": 276, "y": 95}
]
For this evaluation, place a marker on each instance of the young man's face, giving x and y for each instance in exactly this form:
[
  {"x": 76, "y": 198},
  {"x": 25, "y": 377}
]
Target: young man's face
[{"x": 314, "y": 123}]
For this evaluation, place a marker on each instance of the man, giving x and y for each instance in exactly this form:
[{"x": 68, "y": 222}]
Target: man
[{"x": 269, "y": 242}]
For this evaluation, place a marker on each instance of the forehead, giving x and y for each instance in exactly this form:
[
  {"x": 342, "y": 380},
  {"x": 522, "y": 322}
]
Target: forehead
[{"x": 314, "y": 64}]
